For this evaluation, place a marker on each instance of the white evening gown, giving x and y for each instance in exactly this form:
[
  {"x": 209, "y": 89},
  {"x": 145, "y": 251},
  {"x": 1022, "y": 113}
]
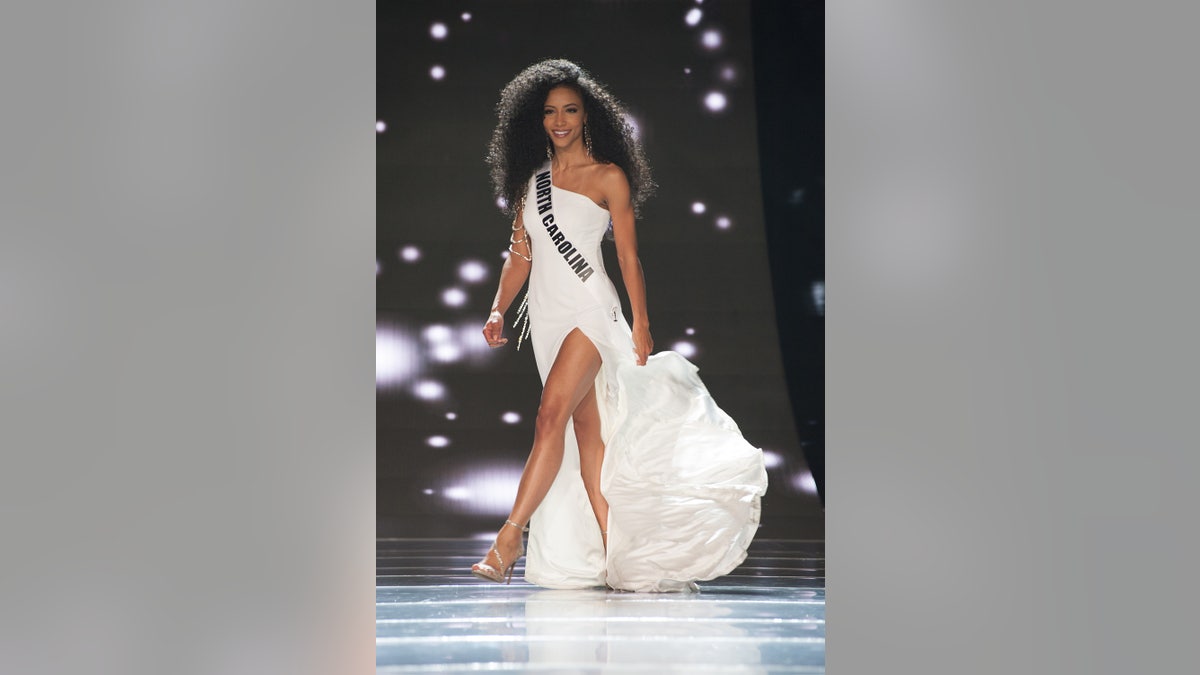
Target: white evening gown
[{"x": 683, "y": 486}]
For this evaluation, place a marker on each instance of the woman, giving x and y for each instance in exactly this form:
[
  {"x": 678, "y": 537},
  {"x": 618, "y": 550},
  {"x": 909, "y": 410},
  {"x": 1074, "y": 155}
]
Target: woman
[{"x": 677, "y": 497}]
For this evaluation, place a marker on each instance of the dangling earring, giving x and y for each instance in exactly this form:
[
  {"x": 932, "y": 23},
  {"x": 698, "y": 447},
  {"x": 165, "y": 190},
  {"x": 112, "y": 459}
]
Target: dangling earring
[
  {"x": 549, "y": 149},
  {"x": 587, "y": 139}
]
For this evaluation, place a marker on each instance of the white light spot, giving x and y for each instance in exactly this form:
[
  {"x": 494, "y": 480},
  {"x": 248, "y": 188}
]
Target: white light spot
[
  {"x": 447, "y": 353},
  {"x": 466, "y": 16},
  {"x": 396, "y": 358},
  {"x": 429, "y": 390},
  {"x": 457, "y": 493},
  {"x": 504, "y": 255},
  {"x": 451, "y": 415},
  {"x": 380, "y": 126},
  {"x": 711, "y": 39},
  {"x": 437, "y": 441},
  {"x": 511, "y": 417},
  {"x": 772, "y": 459},
  {"x": 428, "y": 491},
  {"x": 723, "y": 222},
  {"x": 687, "y": 71},
  {"x": 689, "y": 331},
  {"x": 437, "y": 333},
  {"x": 438, "y": 31},
  {"x": 728, "y": 73},
  {"x": 805, "y": 482},
  {"x": 684, "y": 348},
  {"x": 693, "y": 16},
  {"x": 502, "y": 202},
  {"x": 715, "y": 101},
  {"x": 454, "y": 297},
  {"x": 378, "y": 268},
  {"x": 818, "y": 295},
  {"x": 484, "y": 490},
  {"x": 698, "y": 208},
  {"x": 410, "y": 254},
  {"x": 472, "y": 271},
  {"x": 437, "y": 72}
]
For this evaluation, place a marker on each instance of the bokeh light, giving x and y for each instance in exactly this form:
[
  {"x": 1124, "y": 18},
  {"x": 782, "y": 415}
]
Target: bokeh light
[
  {"x": 380, "y": 126},
  {"x": 723, "y": 222},
  {"x": 438, "y": 31},
  {"x": 437, "y": 72},
  {"x": 693, "y": 16},
  {"x": 437, "y": 441},
  {"x": 715, "y": 101},
  {"x": 805, "y": 483},
  {"x": 684, "y": 348},
  {"x": 472, "y": 271},
  {"x": 396, "y": 357},
  {"x": 511, "y": 417},
  {"x": 410, "y": 253},
  {"x": 451, "y": 415},
  {"x": 454, "y": 297},
  {"x": 466, "y": 16},
  {"x": 698, "y": 208},
  {"x": 772, "y": 459},
  {"x": 429, "y": 390},
  {"x": 712, "y": 39}
]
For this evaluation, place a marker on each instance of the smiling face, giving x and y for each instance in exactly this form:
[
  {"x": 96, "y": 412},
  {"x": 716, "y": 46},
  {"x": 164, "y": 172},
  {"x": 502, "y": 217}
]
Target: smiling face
[{"x": 563, "y": 117}]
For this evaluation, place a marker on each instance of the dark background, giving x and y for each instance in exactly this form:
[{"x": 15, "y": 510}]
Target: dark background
[{"x": 447, "y": 463}]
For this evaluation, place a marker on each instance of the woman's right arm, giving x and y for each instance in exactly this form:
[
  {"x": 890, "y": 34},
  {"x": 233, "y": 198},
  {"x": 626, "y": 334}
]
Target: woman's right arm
[{"x": 512, "y": 278}]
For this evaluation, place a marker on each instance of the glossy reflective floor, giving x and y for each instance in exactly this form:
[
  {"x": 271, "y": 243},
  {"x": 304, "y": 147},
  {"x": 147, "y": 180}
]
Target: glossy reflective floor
[{"x": 432, "y": 616}]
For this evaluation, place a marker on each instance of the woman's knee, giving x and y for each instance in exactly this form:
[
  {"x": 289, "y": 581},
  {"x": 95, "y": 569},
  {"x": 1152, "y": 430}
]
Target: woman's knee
[{"x": 551, "y": 418}]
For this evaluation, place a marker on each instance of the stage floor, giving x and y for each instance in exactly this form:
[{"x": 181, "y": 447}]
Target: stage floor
[{"x": 432, "y": 616}]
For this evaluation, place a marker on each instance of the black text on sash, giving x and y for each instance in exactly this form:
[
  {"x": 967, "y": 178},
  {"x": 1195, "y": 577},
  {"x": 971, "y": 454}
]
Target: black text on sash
[{"x": 575, "y": 260}]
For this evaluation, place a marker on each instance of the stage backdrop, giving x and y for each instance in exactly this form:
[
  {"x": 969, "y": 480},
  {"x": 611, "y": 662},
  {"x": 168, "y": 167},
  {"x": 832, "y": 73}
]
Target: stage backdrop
[{"x": 455, "y": 418}]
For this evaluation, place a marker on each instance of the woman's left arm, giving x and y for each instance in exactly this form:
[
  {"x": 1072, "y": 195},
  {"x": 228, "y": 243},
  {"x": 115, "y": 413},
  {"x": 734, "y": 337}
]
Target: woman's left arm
[{"x": 620, "y": 207}]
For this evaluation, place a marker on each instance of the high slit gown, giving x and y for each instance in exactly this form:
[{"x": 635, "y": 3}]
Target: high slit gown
[{"x": 682, "y": 484}]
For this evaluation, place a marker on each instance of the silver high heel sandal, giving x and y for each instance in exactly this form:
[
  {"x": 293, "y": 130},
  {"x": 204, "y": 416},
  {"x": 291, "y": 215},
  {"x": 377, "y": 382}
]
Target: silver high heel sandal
[{"x": 485, "y": 570}]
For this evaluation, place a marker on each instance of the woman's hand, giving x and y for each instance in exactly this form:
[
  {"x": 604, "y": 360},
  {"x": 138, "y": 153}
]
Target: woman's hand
[
  {"x": 643, "y": 344},
  {"x": 493, "y": 330}
]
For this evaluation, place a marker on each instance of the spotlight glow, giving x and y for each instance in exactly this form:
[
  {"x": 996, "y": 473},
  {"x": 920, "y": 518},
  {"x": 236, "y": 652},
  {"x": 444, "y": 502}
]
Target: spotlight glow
[
  {"x": 723, "y": 222},
  {"x": 437, "y": 333},
  {"x": 502, "y": 202},
  {"x": 447, "y": 353},
  {"x": 437, "y": 441},
  {"x": 396, "y": 357},
  {"x": 454, "y": 297},
  {"x": 728, "y": 73},
  {"x": 466, "y": 16},
  {"x": 818, "y": 295},
  {"x": 410, "y": 253},
  {"x": 380, "y": 126},
  {"x": 451, "y": 415},
  {"x": 511, "y": 417},
  {"x": 438, "y": 31},
  {"x": 437, "y": 72},
  {"x": 428, "y": 491},
  {"x": 693, "y": 16},
  {"x": 698, "y": 208},
  {"x": 472, "y": 271},
  {"x": 805, "y": 482},
  {"x": 711, "y": 39},
  {"x": 715, "y": 101},
  {"x": 457, "y": 493},
  {"x": 504, "y": 255},
  {"x": 687, "y": 71},
  {"x": 429, "y": 390},
  {"x": 684, "y": 348},
  {"x": 772, "y": 459},
  {"x": 689, "y": 331}
]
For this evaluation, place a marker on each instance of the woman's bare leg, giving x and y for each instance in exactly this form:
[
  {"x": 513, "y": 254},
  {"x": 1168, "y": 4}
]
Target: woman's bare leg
[
  {"x": 570, "y": 379},
  {"x": 591, "y": 455}
]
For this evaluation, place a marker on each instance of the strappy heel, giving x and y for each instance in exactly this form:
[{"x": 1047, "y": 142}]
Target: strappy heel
[{"x": 484, "y": 570}]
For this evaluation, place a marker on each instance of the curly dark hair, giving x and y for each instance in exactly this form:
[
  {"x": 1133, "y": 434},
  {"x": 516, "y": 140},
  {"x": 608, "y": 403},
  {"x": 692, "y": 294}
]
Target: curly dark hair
[{"x": 518, "y": 145}]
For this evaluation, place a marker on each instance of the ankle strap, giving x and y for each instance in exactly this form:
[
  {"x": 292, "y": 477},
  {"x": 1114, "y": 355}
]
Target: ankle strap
[{"x": 523, "y": 529}]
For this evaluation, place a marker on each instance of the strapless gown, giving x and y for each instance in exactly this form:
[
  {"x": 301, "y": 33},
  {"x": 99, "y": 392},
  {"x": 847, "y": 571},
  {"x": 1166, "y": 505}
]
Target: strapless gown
[{"x": 683, "y": 486}]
